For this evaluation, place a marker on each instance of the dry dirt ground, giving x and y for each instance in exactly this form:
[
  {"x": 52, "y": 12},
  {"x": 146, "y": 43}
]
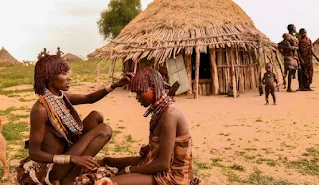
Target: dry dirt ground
[{"x": 236, "y": 141}]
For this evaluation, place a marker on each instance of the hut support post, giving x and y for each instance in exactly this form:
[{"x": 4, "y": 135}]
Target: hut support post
[
  {"x": 188, "y": 66},
  {"x": 197, "y": 72},
  {"x": 259, "y": 52},
  {"x": 98, "y": 72},
  {"x": 135, "y": 68},
  {"x": 233, "y": 77},
  {"x": 113, "y": 69},
  {"x": 214, "y": 72}
]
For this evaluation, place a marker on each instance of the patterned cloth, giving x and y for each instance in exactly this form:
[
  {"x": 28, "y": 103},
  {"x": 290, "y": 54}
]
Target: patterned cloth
[
  {"x": 181, "y": 168},
  {"x": 30, "y": 172},
  {"x": 99, "y": 176},
  {"x": 305, "y": 48}
]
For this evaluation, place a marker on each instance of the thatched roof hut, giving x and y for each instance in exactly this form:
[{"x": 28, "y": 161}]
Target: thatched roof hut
[
  {"x": 6, "y": 59},
  {"x": 208, "y": 45},
  {"x": 69, "y": 57}
]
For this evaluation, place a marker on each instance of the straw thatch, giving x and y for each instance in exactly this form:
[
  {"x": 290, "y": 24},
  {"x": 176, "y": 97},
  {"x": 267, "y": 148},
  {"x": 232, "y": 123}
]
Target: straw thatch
[
  {"x": 69, "y": 57},
  {"x": 167, "y": 27},
  {"x": 6, "y": 59}
]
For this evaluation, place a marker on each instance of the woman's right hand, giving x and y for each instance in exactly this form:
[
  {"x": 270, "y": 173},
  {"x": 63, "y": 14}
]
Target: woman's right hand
[{"x": 85, "y": 161}]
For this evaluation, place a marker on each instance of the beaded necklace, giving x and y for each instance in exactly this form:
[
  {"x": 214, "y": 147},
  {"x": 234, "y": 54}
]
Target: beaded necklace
[
  {"x": 157, "y": 110},
  {"x": 58, "y": 104}
]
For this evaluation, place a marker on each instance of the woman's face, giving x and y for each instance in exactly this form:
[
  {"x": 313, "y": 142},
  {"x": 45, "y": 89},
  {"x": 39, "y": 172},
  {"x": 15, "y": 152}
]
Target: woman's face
[
  {"x": 61, "y": 81},
  {"x": 146, "y": 98}
]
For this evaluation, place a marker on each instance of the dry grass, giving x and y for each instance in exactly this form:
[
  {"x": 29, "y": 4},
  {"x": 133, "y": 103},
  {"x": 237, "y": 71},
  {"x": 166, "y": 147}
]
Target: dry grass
[{"x": 167, "y": 27}]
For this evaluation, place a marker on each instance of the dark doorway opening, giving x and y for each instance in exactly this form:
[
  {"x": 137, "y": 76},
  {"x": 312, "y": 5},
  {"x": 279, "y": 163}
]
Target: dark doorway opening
[{"x": 204, "y": 66}]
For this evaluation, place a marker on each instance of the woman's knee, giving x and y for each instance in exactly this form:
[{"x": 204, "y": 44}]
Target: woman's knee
[
  {"x": 98, "y": 116},
  {"x": 105, "y": 130}
]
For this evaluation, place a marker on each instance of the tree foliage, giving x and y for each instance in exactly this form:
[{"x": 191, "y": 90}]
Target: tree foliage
[{"x": 118, "y": 14}]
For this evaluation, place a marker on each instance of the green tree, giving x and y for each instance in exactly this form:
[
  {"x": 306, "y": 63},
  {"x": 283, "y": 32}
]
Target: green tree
[{"x": 118, "y": 14}]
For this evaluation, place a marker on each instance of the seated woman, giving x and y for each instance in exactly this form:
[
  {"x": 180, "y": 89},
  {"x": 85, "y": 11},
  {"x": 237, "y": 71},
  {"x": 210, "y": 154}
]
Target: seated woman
[
  {"x": 167, "y": 159},
  {"x": 60, "y": 143}
]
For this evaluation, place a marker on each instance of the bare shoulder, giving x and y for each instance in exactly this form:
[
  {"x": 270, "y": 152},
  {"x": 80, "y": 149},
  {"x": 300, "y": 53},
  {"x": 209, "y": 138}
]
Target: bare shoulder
[
  {"x": 172, "y": 113},
  {"x": 38, "y": 108},
  {"x": 38, "y": 111}
]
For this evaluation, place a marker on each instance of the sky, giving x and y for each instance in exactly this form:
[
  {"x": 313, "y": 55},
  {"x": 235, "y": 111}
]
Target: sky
[{"x": 27, "y": 26}]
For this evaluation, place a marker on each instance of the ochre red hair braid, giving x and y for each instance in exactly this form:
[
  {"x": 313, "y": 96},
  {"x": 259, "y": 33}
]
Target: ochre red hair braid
[
  {"x": 46, "y": 69},
  {"x": 148, "y": 78}
]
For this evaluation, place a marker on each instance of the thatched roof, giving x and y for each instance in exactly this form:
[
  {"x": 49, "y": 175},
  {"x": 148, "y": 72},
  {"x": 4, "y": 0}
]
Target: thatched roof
[
  {"x": 168, "y": 26},
  {"x": 69, "y": 57},
  {"x": 316, "y": 42},
  {"x": 6, "y": 59}
]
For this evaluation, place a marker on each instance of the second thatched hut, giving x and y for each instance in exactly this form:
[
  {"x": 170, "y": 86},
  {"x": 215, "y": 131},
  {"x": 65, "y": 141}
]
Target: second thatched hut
[
  {"x": 209, "y": 46},
  {"x": 69, "y": 57},
  {"x": 6, "y": 59}
]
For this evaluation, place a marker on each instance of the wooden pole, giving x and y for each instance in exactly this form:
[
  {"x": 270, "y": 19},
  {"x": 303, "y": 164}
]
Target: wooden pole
[
  {"x": 233, "y": 74},
  {"x": 98, "y": 72},
  {"x": 188, "y": 66},
  {"x": 214, "y": 73},
  {"x": 221, "y": 77},
  {"x": 261, "y": 90},
  {"x": 237, "y": 70},
  {"x": 110, "y": 68},
  {"x": 113, "y": 69},
  {"x": 252, "y": 73},
  {"x": 265, "y": 56},
  {"x": 135, "y": 69},
  {"x": 197, "y": 72}
]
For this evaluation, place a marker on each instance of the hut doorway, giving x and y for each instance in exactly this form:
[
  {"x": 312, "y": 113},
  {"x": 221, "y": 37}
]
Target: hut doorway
[
  {"x": 205, "y": 77},
  {"x": 204, "y": 66}
]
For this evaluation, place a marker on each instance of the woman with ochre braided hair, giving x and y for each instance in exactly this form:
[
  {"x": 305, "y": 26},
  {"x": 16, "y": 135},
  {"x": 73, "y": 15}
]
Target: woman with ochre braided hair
[
  {"x": 167, "y": 159},
  {"x": 60, "y": 143}
]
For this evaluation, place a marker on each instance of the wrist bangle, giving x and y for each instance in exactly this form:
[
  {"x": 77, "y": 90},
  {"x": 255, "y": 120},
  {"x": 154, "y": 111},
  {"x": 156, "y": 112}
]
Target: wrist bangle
[
  {"x": 109, "y": 88},
  {"x": 61, "y": 159},
  {"x": 127, "y": 169}
]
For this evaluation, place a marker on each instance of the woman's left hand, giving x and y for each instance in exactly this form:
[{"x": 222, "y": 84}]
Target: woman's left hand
[{"x": 124, "y": 80}]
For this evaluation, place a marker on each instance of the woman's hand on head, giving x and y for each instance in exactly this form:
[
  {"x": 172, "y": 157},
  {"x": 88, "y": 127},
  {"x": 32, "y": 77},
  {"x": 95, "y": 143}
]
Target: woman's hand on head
[{"x": 124, "y": 80}]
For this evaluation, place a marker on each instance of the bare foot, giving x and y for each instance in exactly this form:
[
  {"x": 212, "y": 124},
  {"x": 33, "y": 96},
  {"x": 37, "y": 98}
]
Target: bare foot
[
  {"x": 289, "y": 90},
  {"x": 275, "y": 104}
]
